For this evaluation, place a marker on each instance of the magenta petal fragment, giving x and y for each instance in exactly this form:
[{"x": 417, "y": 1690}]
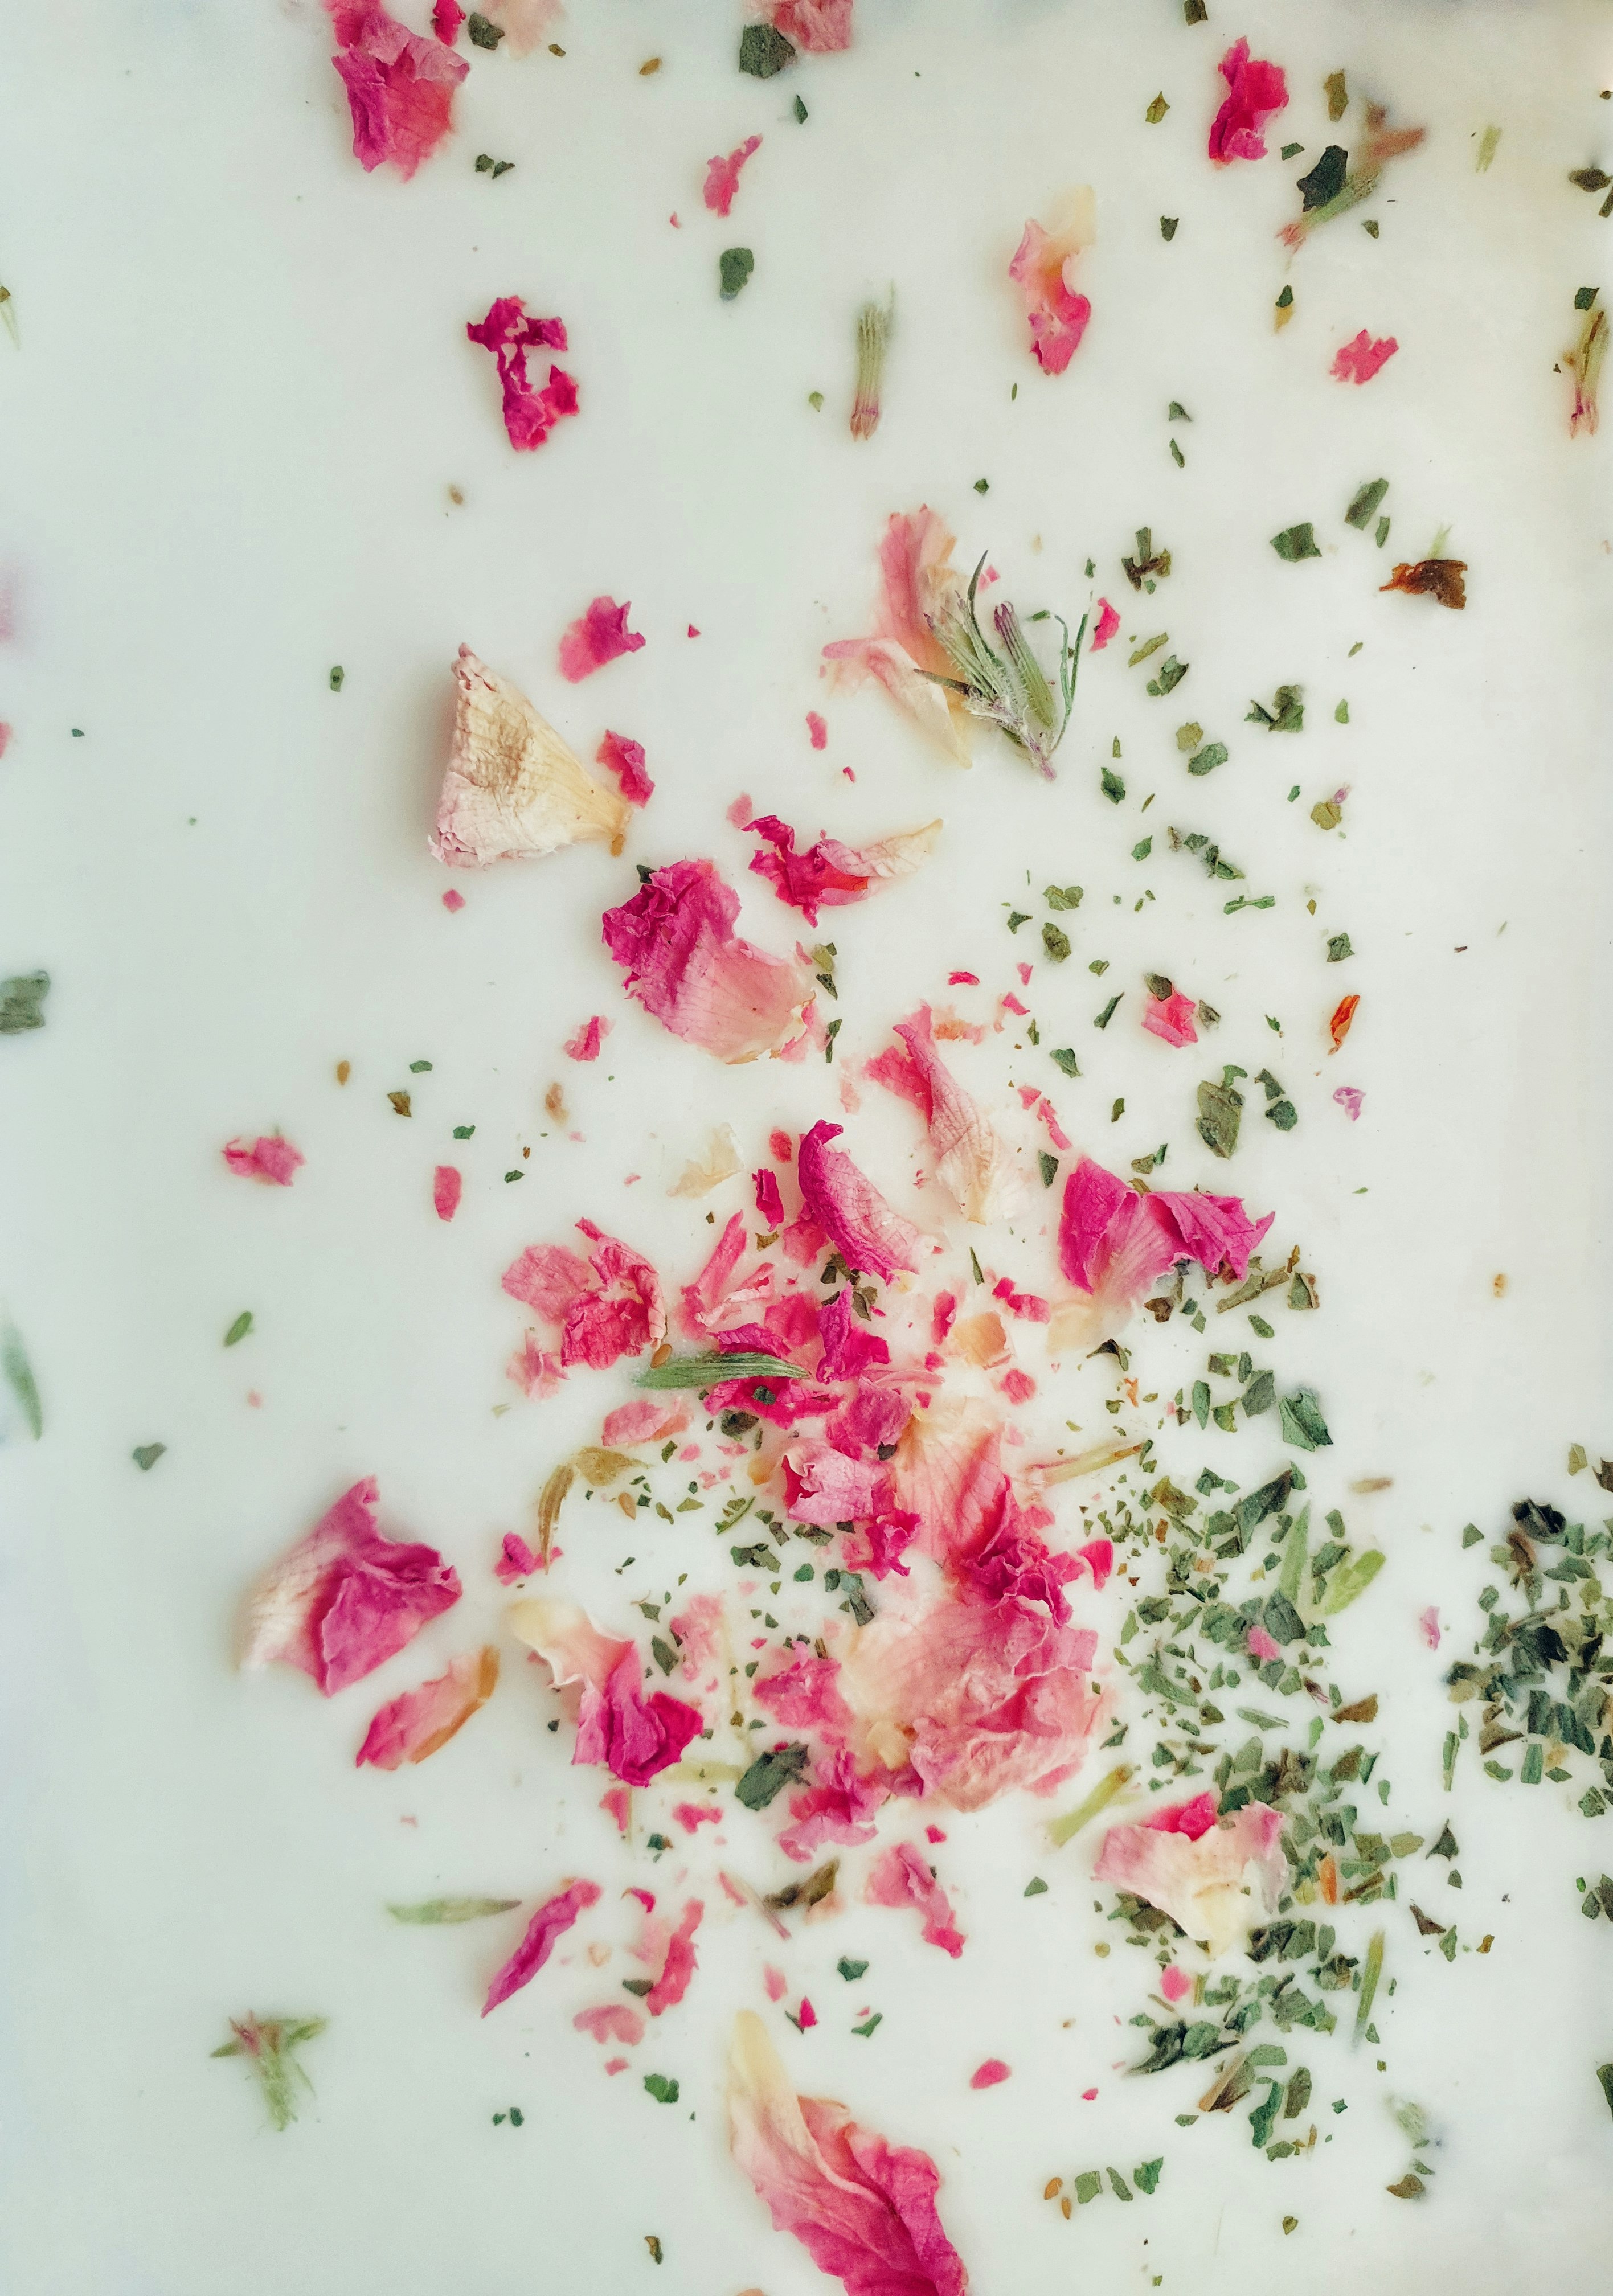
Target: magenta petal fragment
[
  {"x": 722, "y": 176},
  {"x": 344, "y": 1598},
  {"x": 409, "y": 1728},
  {"x": 613, "y": 2021},
  {"x": 902, "y": 1877},
  {"x": 988, "y": 2075},
  {"x": 1360, "y": 358},
  {"x": 1171, "y": 1018},
  {"x": 268, "y": 1159},
  {"x": 1255, "y": 90},
  {"x": 872, "y": 1239},
  {"x": 585, "y": 1045},
  {"x": 1044, "y": 266},
  {"x": 596, "y": 637},
  {"x": 684, "y": 963},
  {"x": 1105, "y": 626},
  {"x": 399, "y": 87},
  {"x": 863, "y": 2210},
  {"x": 529, "y": 412},
  {"x": 625, "y": 760},
  {"x": 447, "y": 1185},
  {"x": 550, "y": 1924}
]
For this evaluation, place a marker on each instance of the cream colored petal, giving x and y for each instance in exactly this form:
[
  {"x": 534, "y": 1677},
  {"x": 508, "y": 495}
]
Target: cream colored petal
[{"x": 512, "y": 790}]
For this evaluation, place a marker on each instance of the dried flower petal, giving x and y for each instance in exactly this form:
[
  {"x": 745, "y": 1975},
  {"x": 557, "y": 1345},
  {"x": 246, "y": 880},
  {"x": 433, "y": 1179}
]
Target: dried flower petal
[
  {"x": 971, "y": 1161},
  {"x": 608, "y": 1307},
  {"x": 344, "y": 1599},
  {"x": 399, "y": 87},
  {"x": 829, "y": 874},
  {"x": 1213, "y": 1882},
  {"x": 1112, "y": 1242},
  {"x": 872, "y": 1239},
  {"x": 409, "y": 1728},
  {"x": 625, "y": 760},
  {"x": 685, "y": 966},
  {"x": 918, "y": 582},
  {"x": 818, "y": 28},
  {"x": 1360, "y": 358},
  {"x": 902, "y": 1877},
  {"x": 269, "y": 2042},
  {"x": 268, "y": 1159},
  {"x": 447, "y": 1185},
  {"x": 722, "y": 176},
  {"x": 513, "y": 790},
  {"x": 1255, "y": 91},
  {"x": 548, "y": 1925},
  {"x": 1172, "y": 1018},
  {"x": 864, "y": 2210},
  {"x": 1585, "y": 364},
  {"x": 634, "y": 1737},
  {"x": 529, "y": 413},
  {"x": 1433, "y": 577},
  {"x": 1044, "y": 264},
  {"x": 598, "y": 637}
]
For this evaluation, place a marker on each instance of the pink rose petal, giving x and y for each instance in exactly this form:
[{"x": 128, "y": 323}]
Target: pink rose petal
[
  {"x": 1428, "y": 1621},
  {"x": 1105, "y": 626},
  {"x": 1255, "y": 91},
  {"x": 268, "y": 1159},
  {"x": 586, "y": 1044},
  {"x": 873, "y": 1239},
  {"x": 515, "y": 1560},
  {"x": 684, "y": 963},
  {"x": 598, "y": 637},
  {"x": 399, "y": 87},
  {"x": 1262, "y": 1646},
  {"x": 1043, "y": 266},
  {"x": 548, "y": 1925},
  {"x": 1360, "y": 358},
  {"x": 453, "y": 900},
  {"x": 902, "y": 1878},
  {"x": 818, "y": 730},
  {"x": 679, "y": 1967},
  {"x": 1349, "y": 1097},
  {"x": 447, "y": 1183},
  {"x": 818, "y": 28},
  {"x": 412, "y": 1727},
  {"x": 613, "y": 2020},
  {"x": 829, "y": 874},
  {"x": 988, "y": 2075},
  {"x": 529, "y": 413},
  {"x": 722, "y": 176},
  {"x": 625, "y": 760},
  {"x": 1171, "y": 1018},
  {"x": 1175, "y": 1983}
]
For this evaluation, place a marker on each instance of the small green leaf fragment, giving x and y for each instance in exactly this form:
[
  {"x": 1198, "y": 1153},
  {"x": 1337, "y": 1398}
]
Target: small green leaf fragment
[
  {"x": 735, "y": 265},
  {"x": 662, "y": 2088},
  {"x": 1063, "y": 897},
  {"x": 1035, "y": 1887},
  {"x": 1056, "y": 944},
  {"x": 22, "y": 1000},
  {"x": 1050, "y": 1167},
  {"x": 1113, "y": 787},
  {"x": 1107, "y": 1013},
  {"x": 19, "y": 1376},
  {"x": 1302, "y": 1424},
  {"x": 1169, "y": 677},
  {"x": 146, "y": 1455},
  {"x": 1088, "y": 2186},
  {"x": 1297, "y": 542},
  {"x": 770, "y": 1774},
  {"x": 1338, "y": 947},
  {"x": 763, "y": 52},
  {"x": 270, "y": 2043},
  {"x": 1325, "y": 180},
  {"x": 239, "y": 1329},
  {"x": 852, "y": 1970},
  {"x": 866, "y": 2032},
  {"x": 1066, "y": 1058},
  {"x": 1167, "y": 226},
  {"x": 1360, "y": 513},
  {"x": 1213, "y": 754},
  {"x": 1156, "y": 111},
  {"x": 1338, "y": 94},
  {"x": 483, "y": 34},
  {"x": 337, "y": 675},
  {"x": 432, "y": 1912},
  {"x": 800, "y": 110}
]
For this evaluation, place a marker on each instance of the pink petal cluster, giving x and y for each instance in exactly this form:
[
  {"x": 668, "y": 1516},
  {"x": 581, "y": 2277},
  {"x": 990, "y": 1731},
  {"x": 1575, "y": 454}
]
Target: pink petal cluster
[
  {"x": 529, "y": 413},
  {"x": 625, "y": 760},
  {"x": 548, "y": 1925},
  {"x": 344, "y": 1599},
  {"x": 1212, "y": 1877},
  {"x": 585, "y": 1045},
  {"x": 871, "y": 1238},
  {"x": 1255, "y": 90},
  {"x": 1112, "y": 1242},
  {"x": 1044, "y": 267},
  {"x": 268, "y": 1159},
  {"x": 596, "y": 636},
  {"x": 722, "y": 176},
  {"x": 608, "y": 1307},
  {"x": 837, "y": 1807},
  {"x": 971, "y": 1161},
  {"x": 902, "y": 1877},
  {"x": 863, "y": 2210},
  {"x": 828, "y": 875},
  {"x": 917, "y": 583},
  {"x": 633, "y": 1736},
  {"x": 1171, "y": 1018},
  {"x": 684, "y": 963},
  {"x": 1360, "y": 358},
  {"x": 399, "y": 87},
  {"x": 409, "y": 1728}
]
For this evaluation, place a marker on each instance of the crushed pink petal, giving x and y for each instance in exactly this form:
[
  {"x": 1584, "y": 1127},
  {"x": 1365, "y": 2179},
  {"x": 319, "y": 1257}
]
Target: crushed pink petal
[
  {"x": 872, "y": 1239},
  {"x": 598, "y": 637},
  {"x": 1171, "y": 1018},
  {"x": 1105, "y": 626},
  {"x": 268, "y": 1159},
  {"x": 613, "y": 2020},
  {"x": 1255, "y": 91},
  {"x": 1361, "y": 357},
  {"x": 585, "y": 1045},
  {"x": 902, "y": 1877},
  {"x": 447, "y": 1185},
  {"x": 988, "y": 2075},
  {"x": 529, "y": 412},
  {"x": 399, "y": 87},
  {"x": 344, "y": 1599},
  {"x": 412, "y": 1727},
  {"x": 722, "y": 176},
  {"x": 625, "y": 760},
  {"x": 684, "y": 963},
  {"x": 548, "y": 1925},
  {"x": 1349, "y": 1097}
]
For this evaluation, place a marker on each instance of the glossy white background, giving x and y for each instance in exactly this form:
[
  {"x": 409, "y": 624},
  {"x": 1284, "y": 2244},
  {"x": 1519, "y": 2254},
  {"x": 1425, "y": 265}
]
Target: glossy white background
[{"x": 243, "y": 396}]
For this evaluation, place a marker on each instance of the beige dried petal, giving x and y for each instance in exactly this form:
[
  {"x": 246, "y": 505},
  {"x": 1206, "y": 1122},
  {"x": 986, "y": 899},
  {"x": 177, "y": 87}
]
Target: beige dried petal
[
  {"x": 513, "y": 790},
  {"x": 720, "y": 1162}
]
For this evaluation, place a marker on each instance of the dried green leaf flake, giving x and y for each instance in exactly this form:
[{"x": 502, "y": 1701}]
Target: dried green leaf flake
[
  {"x": 19, "y": 1376},
  {"x": 763, "y": 52},
  {"x": 735, "y": 266},
  {"x": 239, "y": 1329},
  {"x": 146, "y": 1455},
  {"x": 1297, "y": 542},
  {"x": 770, "y": 1773},
  {"x": 1361, "y": 510},
  {"x": 21, "y": 999},
  {"x": 447, "y": 1912},
  {"x": 1338, "y": 947},
  {"x": 1055, "y": 943},
  {"x": 1302, "y": 1422},
  {"x": 663, "y": 2090},
  {"x": 1326, "y": 178},
  {"x": 270, "y": 2044},
  {"x": 1205, "y": 760}
]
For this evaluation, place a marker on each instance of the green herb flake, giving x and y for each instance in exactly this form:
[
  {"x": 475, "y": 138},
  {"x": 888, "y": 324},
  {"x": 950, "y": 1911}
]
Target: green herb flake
[
  {"x": 1302, "y": 1422},
  {"x": 1220, "y": 1113},
  {"x": 19, "y": 1376},
  {"x": 1325, "y": 180},
  {"x": 22, "y": 1002},
  {"x": 800, "y": 110},
  {"x": 1050, "y": 1167},
  {"x": 1297, "y": 542},
  {"x": 663, "y": 2090},
  {"x": 1066, "y": 1058},
  {"x": 1063, "y": 897},
  {"x": 866, "y": 2032},
  {"x": 483, "y": 34},
  {"x": 1360, "y": 513},
  {"x": 1035, "y": 1887},
  {"x": 1167, "y": 226},
  {"x": 1156, "y": 111},
  {"x": 1338, "y": 94},
  {"x": 1107, "y": 1013},
  {"x": 1213, "y": 754},
  {"x": 763, "y": 52},
  {"x": 1338, "y": 947},
  {"x": 852, "y": 1970},
  {"x": 735, "y": 265},
  {"x": 1113, "y": 788},
  {"x": 1169, "y": 677},
  {"x": 239, "y": 1329},
  {"x": 146, "y": 1455},
  {"x": 337, "y": 675},
  {"x": 1088, "y": 2186},
  {"x": 770, "y": 1774},
  {"x": 1056, "y": 944},
  {"x": 651, "y": 2242},
  {"x": 446, "y": 1911},
  {"x": 1287, "y": 714}
]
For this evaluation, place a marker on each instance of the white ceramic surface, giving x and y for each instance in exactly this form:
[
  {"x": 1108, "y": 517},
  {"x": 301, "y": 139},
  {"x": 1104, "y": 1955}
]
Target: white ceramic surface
[{"x": 242, "y": 398}]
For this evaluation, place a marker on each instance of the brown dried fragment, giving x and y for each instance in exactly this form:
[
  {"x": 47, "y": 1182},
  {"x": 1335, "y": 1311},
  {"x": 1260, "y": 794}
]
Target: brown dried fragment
[
  {"x": 1052, "y": 2188},
  {"x": 553, "y": 1101},
  {"x": 550, "y": 1500},
  {"x": 1427, "y": 1926},
  {"x": 344, "y": 1069},
  {"x": 1434, "y": 577},
  {"x": 1364, "y": 1710},
  {"x": 1411, "y": 2187}
]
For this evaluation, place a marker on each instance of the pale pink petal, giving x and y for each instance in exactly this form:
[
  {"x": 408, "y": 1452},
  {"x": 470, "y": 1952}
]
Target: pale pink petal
[
  {"x": 1360, "y": 358},
  {"x": 1215, "y": 1885},
  {"x": 613, "y": 2020},
  {"x": 971, "y": 1161},
  {"x": 1175, "y": 1983},
  {"x": 872, "y": 1239},
  {"x": 802, "y": 1696},
  {"x": 988, "y": 2075},
  {"x": 947, "y": 1470},
  {"x": 1104, "y": 629},
  {"x": 693, "y": 1815},
  {"x": 1428, "y": 1621},
  {"x": 722, "y": 176},
  {"x": 548, "y": 1925},
  {"x": 830, "y": 875},
  {"x": 550, "y": 1279},
  {"x": 902, "y": 1878},
  {"x": 1349, "y": 1097},
  {"x": 617, "y": 1725},
  {"x": 1011, "y": 1562},
  {"x": 534, "y": 1369},
  {"x": 586, "y": 1044},
  {"x": 775, "y": 1981},
  {"x": 646, "y": 1420},
  {"x": 511, "y": 791},
  {"x": 344, "y": 1599},
  {"x": 816, "y": 26},
  {"x": 1214, "y": 1230},
  {"x": 515, "y": 1560},
  {"x": 680, "y": 1965},
  {"x": 864, "y": 2210},
  {"x": 918, "y": 581},
  {"x": 448, "y": 1185},
  {"x": 1099, "y": 1555},
  {"x": 977, "y": 1699},
  {"x": 625, "y": 760},
  {"x": 531, "y": 410},
  {"x": 606, "y": 1309},
  {"x": 268, "y": 1159},
  {"x": 409, "y": 1728},
  {"x": 1171, "y": 1018},
  {"x": 617, "y": 1804},
  {"x": 817, "y": 730},
  {"x": 698, "y": 1627},
  {"x": 822, "y": 1486},
  {"x": 1044, "y": 266},
  {"x": 879, "y": 1542},
  {"x": 399, "y": 87},
  {"x": 849, "y": 1346},
  {"x": 1262, "y": 1646},
  {"x": 837, "y": 1807},
  {"x": 1255, "y": 90},
  {"x": 684, "y": 965},
  {"x": 598, "y": 637}
]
